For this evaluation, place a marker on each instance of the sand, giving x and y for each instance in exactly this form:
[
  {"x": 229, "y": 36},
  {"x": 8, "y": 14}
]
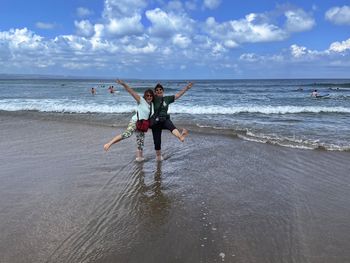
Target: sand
[{"x": 214, "y": 198}]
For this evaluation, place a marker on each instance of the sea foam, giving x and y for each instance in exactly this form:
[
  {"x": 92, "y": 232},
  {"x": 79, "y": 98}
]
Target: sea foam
[{"x": 78, "y": 106}]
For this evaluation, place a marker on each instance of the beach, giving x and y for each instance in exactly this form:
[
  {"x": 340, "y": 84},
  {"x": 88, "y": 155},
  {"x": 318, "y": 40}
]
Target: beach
[{"x": 214, "y": 198}]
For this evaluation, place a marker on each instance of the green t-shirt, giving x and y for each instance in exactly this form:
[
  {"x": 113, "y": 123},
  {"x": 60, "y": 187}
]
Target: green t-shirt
[{"x": 166, "y": 101}]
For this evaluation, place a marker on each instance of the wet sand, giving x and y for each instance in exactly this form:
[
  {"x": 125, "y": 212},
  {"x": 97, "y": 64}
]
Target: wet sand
[{"x": 213, "y": 199}]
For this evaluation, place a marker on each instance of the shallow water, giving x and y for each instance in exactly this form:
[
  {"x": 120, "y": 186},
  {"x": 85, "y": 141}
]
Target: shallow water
[{"x": 213, "y": 199}]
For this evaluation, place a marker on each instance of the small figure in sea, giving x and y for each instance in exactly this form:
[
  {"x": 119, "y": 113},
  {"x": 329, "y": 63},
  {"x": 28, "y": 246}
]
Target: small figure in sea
[
  {"x": 314, "y": 93},
  {"x": 111, "y": 89},
  {"x": 93, "y": 91},
  {"x": 300, "y": 89}
]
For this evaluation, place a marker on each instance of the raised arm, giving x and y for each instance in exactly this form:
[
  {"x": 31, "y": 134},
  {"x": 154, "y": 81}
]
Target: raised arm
[
  {"x": 182, "y": 92},
  {"x": 130, "y": 90}
]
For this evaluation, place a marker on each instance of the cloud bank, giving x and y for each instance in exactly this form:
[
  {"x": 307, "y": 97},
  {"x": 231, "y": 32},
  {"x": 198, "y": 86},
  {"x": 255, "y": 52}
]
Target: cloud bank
[{"x": 131, "y": 36}]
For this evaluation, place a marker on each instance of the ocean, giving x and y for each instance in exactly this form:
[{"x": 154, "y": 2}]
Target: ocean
[{"x": 280, "y": 112}]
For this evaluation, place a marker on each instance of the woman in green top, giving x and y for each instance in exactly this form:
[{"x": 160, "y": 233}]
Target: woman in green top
[{"x": 161, "y": 104}]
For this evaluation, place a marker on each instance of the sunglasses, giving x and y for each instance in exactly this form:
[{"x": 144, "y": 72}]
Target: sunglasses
[{"x": 149, "y": 95}]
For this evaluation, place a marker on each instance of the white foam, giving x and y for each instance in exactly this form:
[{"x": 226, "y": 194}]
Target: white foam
[
  {"x": 222, "y": 255},
  {"x": 211, "y": 109},
  {"x": 80, "y": 106},
  {"x": 69, "y": 106},
  {"x": 292, "y": 142}
]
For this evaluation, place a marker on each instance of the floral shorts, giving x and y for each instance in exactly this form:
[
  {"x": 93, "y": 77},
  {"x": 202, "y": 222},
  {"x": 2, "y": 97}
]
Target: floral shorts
[{"x": 140, "y": 136}]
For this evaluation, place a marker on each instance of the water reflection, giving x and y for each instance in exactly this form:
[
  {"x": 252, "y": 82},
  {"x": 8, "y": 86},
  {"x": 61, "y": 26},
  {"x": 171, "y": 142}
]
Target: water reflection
[{"x": 154, "y": 204}]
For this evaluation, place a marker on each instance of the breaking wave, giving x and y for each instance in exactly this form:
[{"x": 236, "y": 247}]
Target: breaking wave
[{"x": 78, "y": 106}]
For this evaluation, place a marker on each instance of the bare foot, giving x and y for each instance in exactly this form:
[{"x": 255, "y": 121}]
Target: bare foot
[
  {"x": 184, "y": 133},
  {"x": 140, "y": 159},
  {"x": 159, "y": 158},
  {"x": 106, "y": 146}
]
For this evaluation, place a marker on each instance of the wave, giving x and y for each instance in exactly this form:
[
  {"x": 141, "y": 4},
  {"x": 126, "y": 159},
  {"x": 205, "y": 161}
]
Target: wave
[
  {"x": 78, "y": 106},
  {"x": 323, "y": 84},
  {"x": 293, "y": 142},
  {"x": 266, "y": 109},
  {"x": 277, "y": 139},
  {"x": 65, "y": 106}
]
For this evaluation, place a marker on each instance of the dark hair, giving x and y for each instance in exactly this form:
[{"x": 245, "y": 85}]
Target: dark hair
[
  {"x": 159, "y": 86},
  {"x": 148, "y": 91}
]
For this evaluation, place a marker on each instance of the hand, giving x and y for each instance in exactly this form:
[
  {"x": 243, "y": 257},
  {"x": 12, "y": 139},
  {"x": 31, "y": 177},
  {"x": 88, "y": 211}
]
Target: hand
[
  {"x": 189, "y": 85},
  {"x": 120, "y": 82}
]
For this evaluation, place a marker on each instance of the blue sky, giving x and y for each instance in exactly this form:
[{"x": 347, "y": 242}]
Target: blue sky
[{"x": 194, "y": 39}]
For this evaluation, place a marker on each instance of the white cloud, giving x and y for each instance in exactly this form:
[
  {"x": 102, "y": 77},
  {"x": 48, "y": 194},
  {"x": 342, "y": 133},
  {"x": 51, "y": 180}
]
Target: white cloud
[
  {"x": 171, "y": 39},
  {"x": 181, "y": 41},
  {"x": 211, "y": 4},
  {"x": 167, "y": 24},
  {"x": 298, "y": 51},
  {"x": 84, "y": 28},
  {"x": 218, "y": 49},
  {"x": 125, "y": 26},
  {"x": 43, "y": 25},
  {"x": 20, "y": 39},
  {"x": 298, "y": 21},
  {"x": 230, "y": 43},
  {"x": 123, "y": 17},
  {"x": 335, "y": 50},
  {"x": 340, "y": 46},
  {"x": 132, "y": 49},
  {"x": 339, "y": 15},
  {"x": 71, "y": 43},
  {"x": 123, "y": 8},
  {"x": 83, "y": 12},
  {"x": 250, "y": 57},
  {"x": 255, "y": 28},
  {"x": 253, "y": 58},
  {"x": 251, "y": 29}
]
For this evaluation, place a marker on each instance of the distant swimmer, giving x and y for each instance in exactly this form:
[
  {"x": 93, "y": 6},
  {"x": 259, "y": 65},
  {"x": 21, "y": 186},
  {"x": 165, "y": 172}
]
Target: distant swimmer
[
  {"x": 300, "y": 89},
  {"x": 111, "y": 89},
  {"x": 314, "y": 93},
  {"x": 93, "y": 91}
]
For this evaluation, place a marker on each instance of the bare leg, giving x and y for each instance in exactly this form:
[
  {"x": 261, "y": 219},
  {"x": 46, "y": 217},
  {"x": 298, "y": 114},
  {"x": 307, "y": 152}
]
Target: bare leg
[
  {"x": 159, "y": 156},
  {"x": 181, "y": 136},
  {"x": 184, "y": 133},
  {"x": 113, "y": 141},
  {"x": 139, "y": 156}
]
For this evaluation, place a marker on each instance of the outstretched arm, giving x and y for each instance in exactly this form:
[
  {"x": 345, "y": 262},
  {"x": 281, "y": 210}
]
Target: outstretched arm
[
  {"x": 129, "y": 89},
  {"x": 182, "y": 92}
]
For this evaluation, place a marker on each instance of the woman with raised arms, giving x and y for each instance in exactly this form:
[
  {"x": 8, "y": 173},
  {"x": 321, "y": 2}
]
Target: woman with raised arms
[{"x": 144, "y": 111}]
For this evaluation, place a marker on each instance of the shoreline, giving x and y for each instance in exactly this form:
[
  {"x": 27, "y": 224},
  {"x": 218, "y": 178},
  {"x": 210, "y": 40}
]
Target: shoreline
[{"x": 121, "y": 120}]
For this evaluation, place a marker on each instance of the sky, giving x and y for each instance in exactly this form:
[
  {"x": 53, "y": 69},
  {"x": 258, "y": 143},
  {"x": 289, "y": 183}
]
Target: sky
[{"x": 189, "y": 39}]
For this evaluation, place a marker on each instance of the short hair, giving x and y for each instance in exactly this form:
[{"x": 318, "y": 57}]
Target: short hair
[{"x": 158, "y": 86}]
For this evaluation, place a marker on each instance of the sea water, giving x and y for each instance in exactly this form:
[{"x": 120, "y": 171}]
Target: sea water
[{"x": 275, "y": 111}]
